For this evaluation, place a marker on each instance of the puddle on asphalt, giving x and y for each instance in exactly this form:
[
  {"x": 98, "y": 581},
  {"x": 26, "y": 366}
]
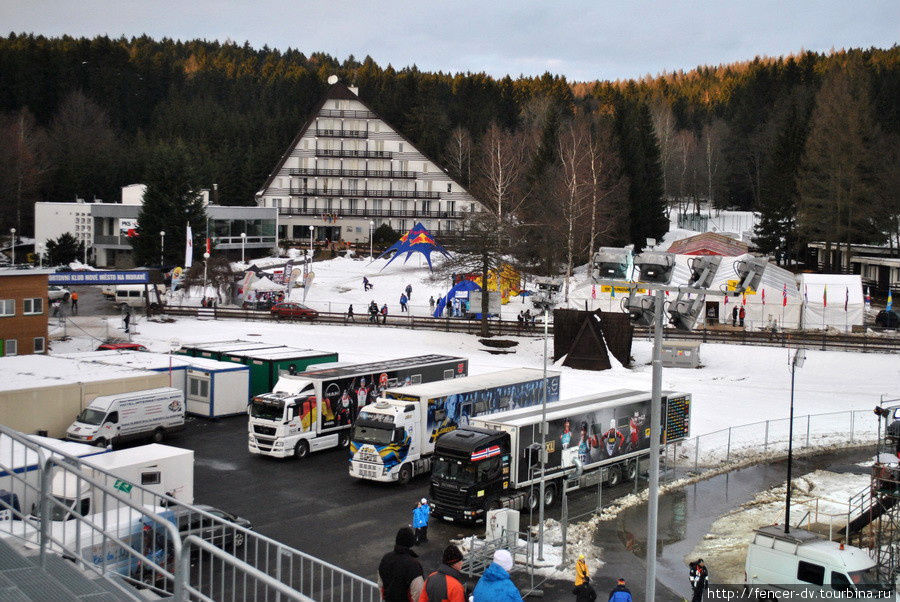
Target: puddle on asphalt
[{"x": 686, "y": 515}]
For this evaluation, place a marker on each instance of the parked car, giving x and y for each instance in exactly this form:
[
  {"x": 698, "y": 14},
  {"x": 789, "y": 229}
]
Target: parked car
[
  {"x": 121, "y": 347},
  {"x": 58, "y": 293},
  {"x": 887, "y": 319},
  {"x": 294, "y": 310},
  {"x": 217, "y": 533}
]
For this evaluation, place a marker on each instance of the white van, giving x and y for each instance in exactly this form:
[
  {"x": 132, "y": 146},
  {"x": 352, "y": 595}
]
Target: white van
[
  {"x": 803, "y": 560},
  {"x": 114, "y": 418},
  {"x": 133, "y": 295}
]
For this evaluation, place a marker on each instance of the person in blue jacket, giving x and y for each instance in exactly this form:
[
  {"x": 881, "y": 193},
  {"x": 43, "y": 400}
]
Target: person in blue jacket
[
  {"x": 495, "y": 584},
  {"x": 620, "y": 592},
  {"x": 421, "y": 516}
]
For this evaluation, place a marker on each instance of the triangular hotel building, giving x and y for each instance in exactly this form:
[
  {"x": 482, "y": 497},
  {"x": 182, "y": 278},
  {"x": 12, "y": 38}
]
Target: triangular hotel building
[{"x": 348, "y": 170}]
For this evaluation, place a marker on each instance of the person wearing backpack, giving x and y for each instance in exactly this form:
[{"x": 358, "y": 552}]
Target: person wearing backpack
[{"x": 447, "y": 583}]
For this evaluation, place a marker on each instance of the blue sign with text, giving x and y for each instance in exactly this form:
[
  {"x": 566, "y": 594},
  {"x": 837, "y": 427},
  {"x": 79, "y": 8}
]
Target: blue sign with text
[{"x": 100, "y": 277}]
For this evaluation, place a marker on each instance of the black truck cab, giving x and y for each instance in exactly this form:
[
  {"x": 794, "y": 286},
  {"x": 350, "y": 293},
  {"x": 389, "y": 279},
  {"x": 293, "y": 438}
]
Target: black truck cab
[{"x": 470, "y": 473}]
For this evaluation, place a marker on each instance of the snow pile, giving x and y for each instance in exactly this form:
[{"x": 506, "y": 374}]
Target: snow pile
[
  {"x": 580, "y": 541},
  {"x": 822, "y": 493}
]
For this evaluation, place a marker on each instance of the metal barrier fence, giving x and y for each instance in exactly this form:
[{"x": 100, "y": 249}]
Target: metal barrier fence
[
  {"x": 130, "y": 534},
  {"x": 865, "y": 342},
  {"x": 759, "y": 439}
]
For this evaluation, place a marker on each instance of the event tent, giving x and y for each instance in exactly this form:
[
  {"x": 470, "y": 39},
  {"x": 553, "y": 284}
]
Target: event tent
[{"x": 832, "y": 300}]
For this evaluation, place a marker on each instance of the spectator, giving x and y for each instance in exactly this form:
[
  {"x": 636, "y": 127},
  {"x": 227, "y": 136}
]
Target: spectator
[
  {"x": 366, "y": 284},
  {"x": 74, "y": 298},
  {"x": 384, "y": 314},
  {"x": 421, "y": 515},
  {"x": 349, "y": 317},
  {"x": 742, "y": 315},
  {"x": 409, "y": 292},
  {"x": 431, "y": 302},
  {"x": 126, "y": 317},
  {"x": 403, "y": 300},
  {"x": 373, "y": 312},
  {"x": 521, "y": 319},
  {"x": 620, "y": 592},
  {"x": 734, "y": 315},
  {"x": 495, "y": 584},
  {"x": 399, "y": 573},
  {"x": 447, "y": 583},
  {"x": 699, "y": 580},
  {"x": 584, "y": 591}
]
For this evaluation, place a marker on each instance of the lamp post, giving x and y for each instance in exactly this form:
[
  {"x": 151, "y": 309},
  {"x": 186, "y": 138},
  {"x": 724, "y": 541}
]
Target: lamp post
[
  {"x": 162, "y": 248},
  {"x": 311, "y": 230},
  {"x": 797, "y": 362},
  {"x": 371, "y": 231},
  {"x": 543, "y": 487},
  {"x": 12, "y": 236},
  {"x": 243, "y": 242},
  {"x": 205, "y": 261}
]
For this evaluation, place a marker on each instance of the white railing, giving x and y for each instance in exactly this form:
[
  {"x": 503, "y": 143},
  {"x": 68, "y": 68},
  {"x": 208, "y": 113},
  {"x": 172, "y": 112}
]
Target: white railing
[{"x": 133, "y": 536}]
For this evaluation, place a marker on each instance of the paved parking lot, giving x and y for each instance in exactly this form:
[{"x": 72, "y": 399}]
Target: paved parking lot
[{"x": 313, "y": 504}]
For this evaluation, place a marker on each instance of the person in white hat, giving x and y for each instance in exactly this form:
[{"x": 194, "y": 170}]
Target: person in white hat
[
  {"x": 421, "y": 516},
  {"x": 495, "y": 584}
]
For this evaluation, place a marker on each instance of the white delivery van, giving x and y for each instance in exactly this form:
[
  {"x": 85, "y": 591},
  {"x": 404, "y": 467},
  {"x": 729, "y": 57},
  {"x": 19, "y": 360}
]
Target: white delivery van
[
  {"x": 133, "y": 295},
  {"x": 114, "y": 418},
  {"x": 805, "y": 561}
]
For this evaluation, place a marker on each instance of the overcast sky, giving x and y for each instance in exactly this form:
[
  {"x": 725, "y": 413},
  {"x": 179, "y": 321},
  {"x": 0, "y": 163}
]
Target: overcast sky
[{"x": 584, "y": 40}]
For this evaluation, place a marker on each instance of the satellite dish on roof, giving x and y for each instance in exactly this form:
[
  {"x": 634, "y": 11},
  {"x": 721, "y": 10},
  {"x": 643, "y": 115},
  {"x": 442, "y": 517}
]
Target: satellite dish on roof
[{"x": 332, "y": 79}]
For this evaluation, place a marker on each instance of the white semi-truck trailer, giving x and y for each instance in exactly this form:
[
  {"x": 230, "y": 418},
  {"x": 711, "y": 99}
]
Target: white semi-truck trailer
[
  {"x": 314, "y": 410},
  {"x": 393, "y": 439},
  {"x": 495, "y": 461}
]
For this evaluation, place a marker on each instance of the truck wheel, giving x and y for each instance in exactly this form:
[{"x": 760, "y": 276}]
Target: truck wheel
[
  {"x": 613, "y": 476},
  {"x": 301, "y": 450},
  {"x": 101, "y": 442},
  {"x": 344, "y": 439},
  {"x": 405, "y": 474},
  {"x": 238, "y": 540},
  {"x": 158, "y": 435},
  {"x": 631, "y": 470},
  {"x": 550, "y": 491}
]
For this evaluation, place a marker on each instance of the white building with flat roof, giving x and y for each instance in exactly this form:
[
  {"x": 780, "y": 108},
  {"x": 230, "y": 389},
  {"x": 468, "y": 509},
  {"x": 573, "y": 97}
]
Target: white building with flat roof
[{"x": 52, "y": 220}]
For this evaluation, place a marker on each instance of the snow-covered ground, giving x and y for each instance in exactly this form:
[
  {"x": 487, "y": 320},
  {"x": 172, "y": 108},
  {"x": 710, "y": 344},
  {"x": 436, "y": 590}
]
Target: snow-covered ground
[
  {"x": 737, "y": 384},
  {"x": 823, "y": 493}
]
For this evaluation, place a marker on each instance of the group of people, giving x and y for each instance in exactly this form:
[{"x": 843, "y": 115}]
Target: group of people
[
  {"x": 738, "y": 314},
  {"x": 374, "y": 312},
  {"x": 526, "y": 318},
  {"x": 401, "y": 578}
]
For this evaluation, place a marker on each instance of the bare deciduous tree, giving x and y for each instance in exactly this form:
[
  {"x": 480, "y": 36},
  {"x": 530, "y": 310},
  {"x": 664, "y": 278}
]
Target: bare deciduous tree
[{"x": 458, "y": 155}]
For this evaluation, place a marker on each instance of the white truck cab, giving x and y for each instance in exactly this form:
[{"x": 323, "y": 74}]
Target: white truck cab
[
  {"x": 384, "y": 435},
  {"x": 803, "y": 560}
]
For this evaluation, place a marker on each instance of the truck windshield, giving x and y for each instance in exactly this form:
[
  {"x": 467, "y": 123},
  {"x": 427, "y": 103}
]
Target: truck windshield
[
  {"x": 866, "y": 579},
  {"x": 454, "y": 470},
  {"x": 374, "y": 434},
  {"x": 89, "y": 416},
  {"x": 266, "y": 410}
]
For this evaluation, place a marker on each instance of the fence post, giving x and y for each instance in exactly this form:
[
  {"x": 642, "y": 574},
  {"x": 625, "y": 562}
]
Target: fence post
[
  {"x": 808, "y": 420},
  {"x": 766, "y": 443},
  {"x": 696, "y": 452},
  {"x": 852, "y": 424},
  {"x": 728, "y": 449}
]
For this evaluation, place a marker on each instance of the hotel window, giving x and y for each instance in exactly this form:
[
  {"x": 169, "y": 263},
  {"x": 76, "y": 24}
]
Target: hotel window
[
  {"x": 7, "y": 307},
  {"x": 11, "y": 347},
  {"x": 33, "y": 306},
  {"x": 39, "y": 344}
]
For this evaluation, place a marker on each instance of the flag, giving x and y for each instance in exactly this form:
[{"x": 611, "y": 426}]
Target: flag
[
  {"x": 846, "y": 297},
  {"x": 612, "y": 291},
  {"x": 890, "y": 303},
  {"x": 726, "y": 300},
  {"x": 868, "y": 298},
  {"x": 593, "y": 291},
  {"x": 825, "y": 296},
  {"x": 744, "y": 299},
  {"x": 784, "y": 296},
  {"x": 188, "y": 248},
  {"x": 764, "y": 296},
  {"x": 207, "y": 244}
]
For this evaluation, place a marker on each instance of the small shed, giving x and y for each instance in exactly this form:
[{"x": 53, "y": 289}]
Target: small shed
[
  {"x": 266, "y": 365},
  {"x": 680, "y": 354},
  {"x": 217, "y": 350},
  {"x": 211, "y": 388}
]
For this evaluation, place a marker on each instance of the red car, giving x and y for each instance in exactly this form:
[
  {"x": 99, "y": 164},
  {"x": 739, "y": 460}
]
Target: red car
[
  {"x": 293, "y": 310},
  {"x": 121, "y": 347}
]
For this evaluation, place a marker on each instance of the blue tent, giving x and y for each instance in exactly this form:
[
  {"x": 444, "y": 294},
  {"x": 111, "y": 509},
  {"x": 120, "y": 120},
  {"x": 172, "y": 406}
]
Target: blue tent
[
  {"x": 417, "y": 240},
  {"x": 461, "y": 286}
]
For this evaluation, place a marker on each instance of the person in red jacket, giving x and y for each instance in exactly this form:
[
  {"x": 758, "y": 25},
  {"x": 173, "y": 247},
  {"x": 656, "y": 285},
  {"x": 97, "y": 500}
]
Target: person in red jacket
[
  {"x": 447, "y": 584},
  {"x": 613, "y": 440}
]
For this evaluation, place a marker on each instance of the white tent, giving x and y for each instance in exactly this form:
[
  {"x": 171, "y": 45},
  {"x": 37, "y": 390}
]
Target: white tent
[
  {"x": 832, "y": 300},
  {"x": 264, "y": 285}
]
